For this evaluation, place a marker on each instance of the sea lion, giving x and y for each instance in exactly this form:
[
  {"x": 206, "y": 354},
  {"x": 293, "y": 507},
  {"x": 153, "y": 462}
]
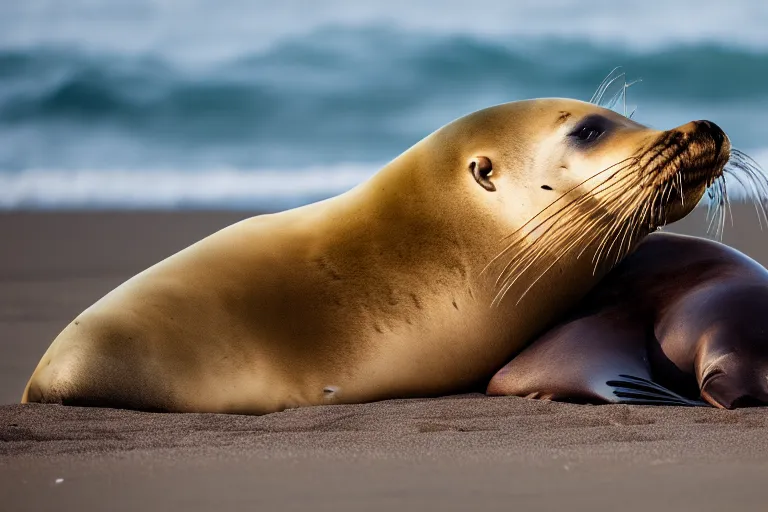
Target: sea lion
[
  {"x": 678, "y": 319},
  {"x": 386, "y": 290}
]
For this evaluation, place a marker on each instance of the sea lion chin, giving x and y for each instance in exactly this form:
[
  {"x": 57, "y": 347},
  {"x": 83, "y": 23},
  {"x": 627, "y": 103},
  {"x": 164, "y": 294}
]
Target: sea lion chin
[{"x": 421, "y": 281}]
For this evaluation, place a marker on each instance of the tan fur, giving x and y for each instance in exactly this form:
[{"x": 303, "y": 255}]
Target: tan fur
[{"x": 374, "y": 294}]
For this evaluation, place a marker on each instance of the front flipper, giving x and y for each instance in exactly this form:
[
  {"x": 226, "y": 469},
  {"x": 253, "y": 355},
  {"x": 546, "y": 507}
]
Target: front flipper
[{"x": 640, "y": 391}]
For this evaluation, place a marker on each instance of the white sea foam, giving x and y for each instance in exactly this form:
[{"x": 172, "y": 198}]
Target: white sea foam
[
  {"x": 163, "y": 188},
  {"x": 213, "y": 188}
]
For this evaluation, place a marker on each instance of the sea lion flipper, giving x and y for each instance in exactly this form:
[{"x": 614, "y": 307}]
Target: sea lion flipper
[{"x": 640, "y": 391}]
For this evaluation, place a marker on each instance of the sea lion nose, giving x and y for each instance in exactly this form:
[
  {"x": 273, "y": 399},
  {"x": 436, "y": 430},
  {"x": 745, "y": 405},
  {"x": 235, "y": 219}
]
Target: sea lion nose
[
  {"x": 746, "y": 401},
  {"x": 714, "y": 131},
  {"x": 707, "y": 127},
  {"x": 728, "y": 392}
]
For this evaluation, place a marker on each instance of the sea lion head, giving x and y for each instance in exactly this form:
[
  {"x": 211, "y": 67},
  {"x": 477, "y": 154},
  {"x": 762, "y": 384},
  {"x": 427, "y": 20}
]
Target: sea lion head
[
  {"x": 732, "y": 356},
  {"x": 566, "y": 175},
  {"x": 538, "y": 150}
]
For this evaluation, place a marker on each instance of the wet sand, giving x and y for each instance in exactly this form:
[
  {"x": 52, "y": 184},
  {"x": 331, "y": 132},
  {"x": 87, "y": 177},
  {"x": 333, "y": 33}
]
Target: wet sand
[{"x": 456, "y": 453}]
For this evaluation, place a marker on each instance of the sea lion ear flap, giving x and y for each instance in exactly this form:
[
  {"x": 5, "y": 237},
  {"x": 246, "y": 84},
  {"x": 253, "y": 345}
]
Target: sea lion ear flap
[{"x": 482, "y": 169}]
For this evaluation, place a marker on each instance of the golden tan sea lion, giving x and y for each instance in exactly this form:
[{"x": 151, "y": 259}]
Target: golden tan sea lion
[{"x": 422, "y": 281}]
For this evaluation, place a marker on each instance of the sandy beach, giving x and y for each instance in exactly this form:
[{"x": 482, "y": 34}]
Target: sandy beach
[{"x": 466, "y": 452}]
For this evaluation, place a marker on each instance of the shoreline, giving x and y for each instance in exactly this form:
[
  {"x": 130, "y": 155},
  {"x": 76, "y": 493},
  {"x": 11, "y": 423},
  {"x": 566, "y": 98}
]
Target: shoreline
[{"x": 457, "y": 453}]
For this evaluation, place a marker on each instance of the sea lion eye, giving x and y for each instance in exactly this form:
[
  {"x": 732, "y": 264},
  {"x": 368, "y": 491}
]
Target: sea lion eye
[
  {"x": 590, "y": 129},
  {"x": 588, "y": 133}
]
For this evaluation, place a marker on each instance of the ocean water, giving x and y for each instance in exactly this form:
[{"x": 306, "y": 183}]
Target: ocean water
[{"x": 246, "y": 104}]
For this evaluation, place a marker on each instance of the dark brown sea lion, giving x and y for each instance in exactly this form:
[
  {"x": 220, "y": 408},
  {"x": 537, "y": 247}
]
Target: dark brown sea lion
[{"x": 681, "y": 317}]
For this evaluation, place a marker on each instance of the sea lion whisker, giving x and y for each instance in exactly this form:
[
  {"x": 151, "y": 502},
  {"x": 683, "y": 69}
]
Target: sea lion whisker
[
  {"x": 713, "y": 208},
  {"x": 565, "y": 249},
  {"x": 665, "y": 200},
  {"x": 617, "y": 215},
  {"x": 741, "y": 163},
  {"x": 582, "y": 234},
  {"x": 607, "y": 81},
  {"x": 636, "y": 216},
  {"x": 586, "y": 246},
  {"x": 727, "y": 201},
  {"x": 571, "y": 204},
  {"x": 627, "y": 86},
  {"x": 565, "y": 194},
  {"x": 714, "y": 227},
  {"x": 583, "y": 225},
  {"x": 714, "y": 224},
  {"x": 610, "y": 104},
  {"x": 607, "y": 205},
  {"x": 613, "y": 233},
  {"x": 552, "y": 264},
  {"x": 530, "y": 259},
  {"x": 722, "y": 187},
  {"x": 560, "y": 212},
  {"x": 752, "y": 193},
  {"x": 614, "y": 216},
  {"x": 620, "y": 95},
  {"x": 617, "y": 221},
  {"x": 652, "y": 211},
  {"x": 629, "y": 231},
  {"x": 586, "y": 222},
  {"x": 713, "y": 196},
  {"x": 508, "y": 284},
  {"x": 759, "y": 190},
  {"x": 754, "y": 176},
  {"x": 724, "y": 209},
  {"x": 534, "y": 250},
  {"x": 639, "y": 207}
]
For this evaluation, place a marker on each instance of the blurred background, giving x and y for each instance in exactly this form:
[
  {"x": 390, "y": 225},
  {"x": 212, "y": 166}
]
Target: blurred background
[{"x": 267, "y": 105}]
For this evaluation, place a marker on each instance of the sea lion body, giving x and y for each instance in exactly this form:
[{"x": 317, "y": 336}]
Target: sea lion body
[
  {"x": 377, "y": 293},
  {"x": 681, "y": 313}
]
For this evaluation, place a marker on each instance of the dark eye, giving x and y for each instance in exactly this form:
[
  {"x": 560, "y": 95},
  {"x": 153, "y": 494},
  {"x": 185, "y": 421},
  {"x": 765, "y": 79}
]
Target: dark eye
[
  {"x": 589, "y": 133},
  {"x": 590, "y": 129}
]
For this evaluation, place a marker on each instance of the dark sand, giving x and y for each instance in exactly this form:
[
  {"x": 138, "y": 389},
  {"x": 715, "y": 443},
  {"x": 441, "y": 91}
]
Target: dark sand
[{"x": 457, "y": 453}]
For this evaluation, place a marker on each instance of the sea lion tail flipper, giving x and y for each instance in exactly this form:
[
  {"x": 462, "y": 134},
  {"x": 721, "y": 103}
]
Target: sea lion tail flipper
[{"x": 638, "y": 391}]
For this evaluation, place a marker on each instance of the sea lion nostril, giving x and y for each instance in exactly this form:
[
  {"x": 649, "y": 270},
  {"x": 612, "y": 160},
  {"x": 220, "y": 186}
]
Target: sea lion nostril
[
  {"x": 714, "y": 131},
  {"x": 745, "y": 401}
]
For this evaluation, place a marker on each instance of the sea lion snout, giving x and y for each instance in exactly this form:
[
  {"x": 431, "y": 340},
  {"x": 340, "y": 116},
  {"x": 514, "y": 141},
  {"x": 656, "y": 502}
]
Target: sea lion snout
[
  {"x": 714, "y": 131},
  {"x": 735, "y": 378},
  {"x": 683, "y": 163},
  {"x": 728, "y": 390},
  {"x": 722, "y": 142},
  {"x": 705, "y": 130}
]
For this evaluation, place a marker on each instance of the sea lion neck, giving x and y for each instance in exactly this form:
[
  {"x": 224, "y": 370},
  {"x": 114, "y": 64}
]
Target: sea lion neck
[{"x": 396, "y": 211}]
